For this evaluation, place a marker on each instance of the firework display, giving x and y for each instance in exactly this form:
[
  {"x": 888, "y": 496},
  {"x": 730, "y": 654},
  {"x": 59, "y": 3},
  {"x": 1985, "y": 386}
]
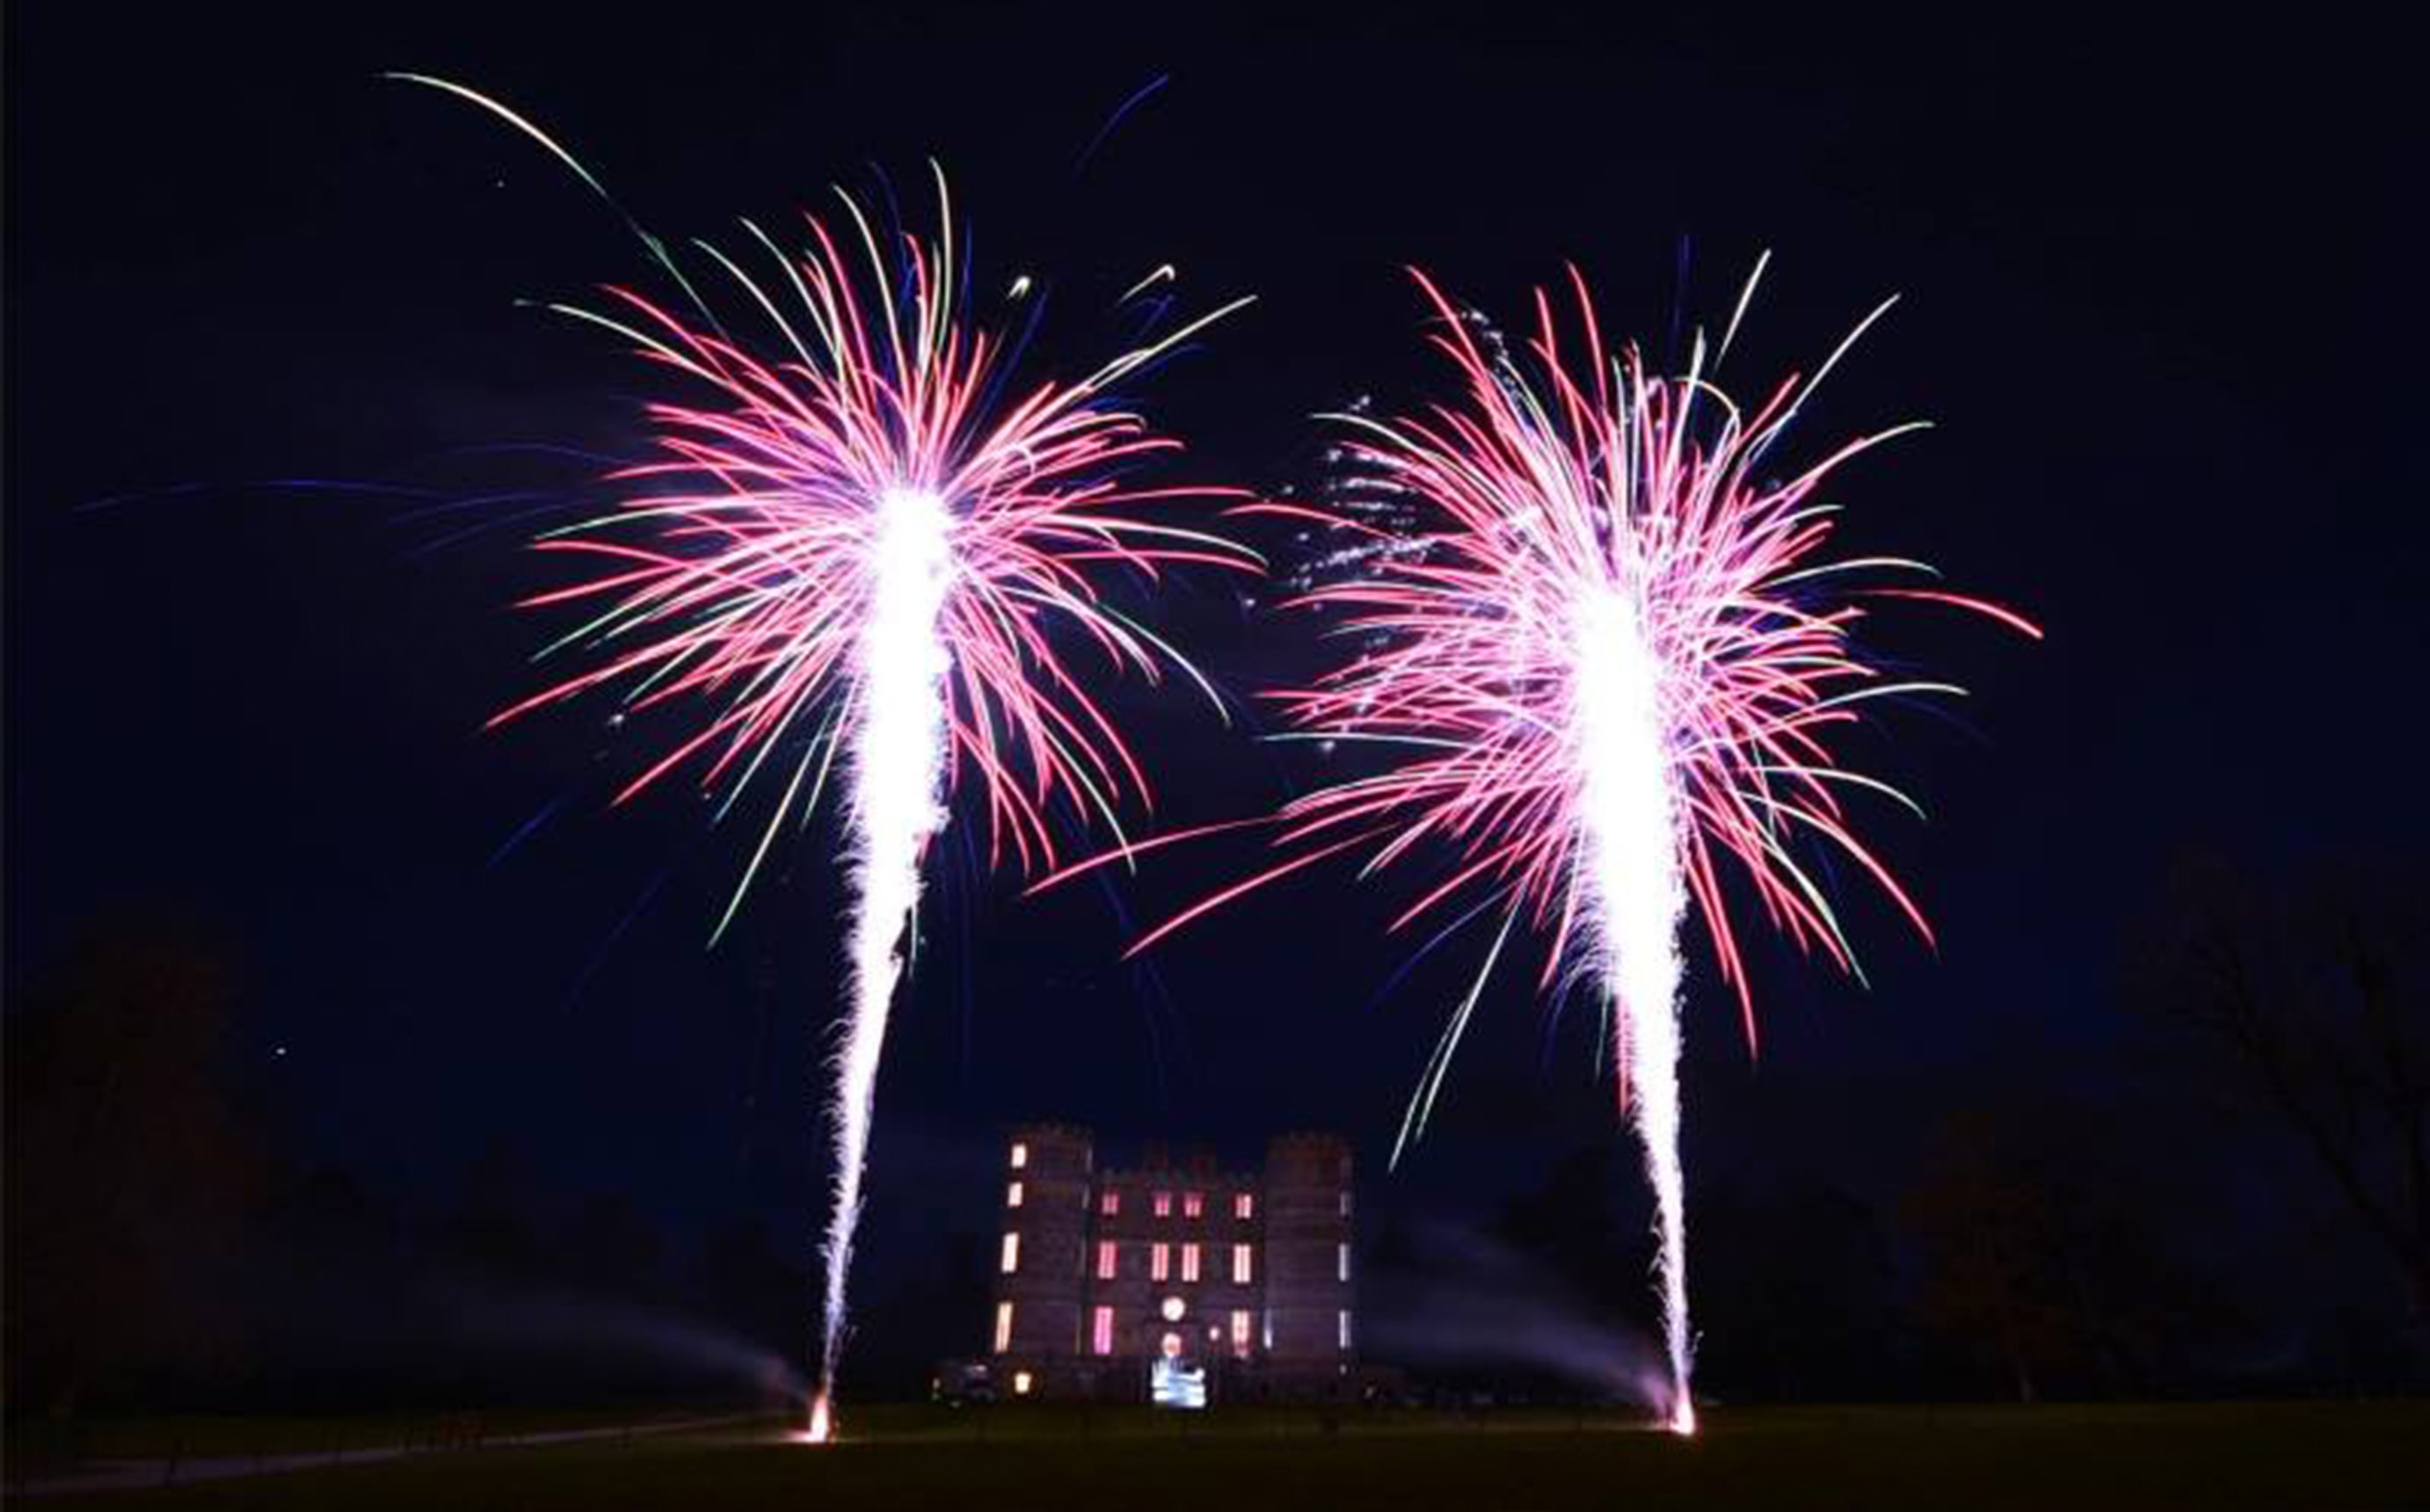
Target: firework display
[
  {"x": 1596, "y": 634},
  {"x": 858, "y": 552},
  {"x": 1606, "y": 638}
]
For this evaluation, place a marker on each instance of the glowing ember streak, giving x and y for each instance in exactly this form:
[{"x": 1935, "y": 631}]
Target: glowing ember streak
[
  {"x": 1605, "y": 639},
  {"x": 1631, "y": 861},
  {"x": 898, "y": 765}
]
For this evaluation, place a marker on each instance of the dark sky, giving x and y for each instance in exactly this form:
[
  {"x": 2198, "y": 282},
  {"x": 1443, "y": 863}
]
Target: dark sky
[{"x": 2162, "y": 302}]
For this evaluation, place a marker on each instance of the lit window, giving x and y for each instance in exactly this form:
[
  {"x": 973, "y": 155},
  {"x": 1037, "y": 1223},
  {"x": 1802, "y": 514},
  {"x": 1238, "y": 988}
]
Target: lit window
[
  {"x": 1106, "y": 1259},
  {"x": 1101, "y": 1331},
  {"x": 1345, "y": 1204},
  {"x": 1244, "y": 1205},
  {"x": 1019, "y": 1154},
  {"x": 1020, "y": 1383},
  {"x": 1241, "y": 1331},
  {"x": 1243, "y": 1264},
  {"x": 1003, "y": 1326},
  {"x": 1341, "y": 1328},
  {"x": 1159, "y": 1262},
  {"x": 1110, "y": 1204},
  {"x": 1189, "y": 1262},
  {"x": 1164, "y": 1205},
  {"x": 1194, "y": 1204},
  {"x": 1341, "y": 1262},
  {"x": 1012, "y": 1195},
  {"x": 1011, "y": 1252}
]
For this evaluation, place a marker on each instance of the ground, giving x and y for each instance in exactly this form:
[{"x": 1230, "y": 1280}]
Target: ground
[{"x": 2328, "y": 1455}]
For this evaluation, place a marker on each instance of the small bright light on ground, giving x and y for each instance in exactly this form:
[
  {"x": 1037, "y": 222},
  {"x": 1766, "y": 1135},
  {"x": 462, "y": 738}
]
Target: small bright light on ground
[{"x": 822, "y": 1428}]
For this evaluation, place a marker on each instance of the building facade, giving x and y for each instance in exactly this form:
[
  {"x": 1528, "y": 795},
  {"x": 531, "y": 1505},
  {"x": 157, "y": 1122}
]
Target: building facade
[{"x": 1174, "y": 1275}]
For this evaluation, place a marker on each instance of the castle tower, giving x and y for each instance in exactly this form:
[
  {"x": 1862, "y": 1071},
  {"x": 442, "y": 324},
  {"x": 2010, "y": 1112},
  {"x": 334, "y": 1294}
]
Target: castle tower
[
  {"x": 1311, "y": 1308},
  {"x": 1048, "y": 1171}
]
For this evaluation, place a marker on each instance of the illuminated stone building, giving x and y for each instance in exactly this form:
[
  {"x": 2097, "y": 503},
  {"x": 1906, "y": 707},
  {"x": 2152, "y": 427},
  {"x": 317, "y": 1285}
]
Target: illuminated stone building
[{"x": 1174, "y": 1277}]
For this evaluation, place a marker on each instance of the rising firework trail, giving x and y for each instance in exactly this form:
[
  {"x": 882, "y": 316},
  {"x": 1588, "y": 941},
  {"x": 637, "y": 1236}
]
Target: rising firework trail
[
  {"x": 860, "y": 545},
  {"x": 1605, "y": 633}
]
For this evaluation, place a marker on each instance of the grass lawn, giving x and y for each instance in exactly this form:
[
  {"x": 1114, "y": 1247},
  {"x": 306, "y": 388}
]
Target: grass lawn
[
  {"x": 2278, "y": 1456},
  {"x": 200, "y": 1435}
]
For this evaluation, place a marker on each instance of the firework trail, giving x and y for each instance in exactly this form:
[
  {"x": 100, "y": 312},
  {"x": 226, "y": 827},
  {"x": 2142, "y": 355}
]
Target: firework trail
[
  {"x": 1606, "y": 637},
  {"x": 861, "y": 544}
]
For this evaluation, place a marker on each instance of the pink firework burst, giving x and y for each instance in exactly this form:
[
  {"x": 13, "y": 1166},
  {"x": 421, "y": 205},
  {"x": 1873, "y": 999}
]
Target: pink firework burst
[
  {"x": 1614, "y": 652},
  {"x": 745, "y": 567},
  {"x": 857, "y": 552}
]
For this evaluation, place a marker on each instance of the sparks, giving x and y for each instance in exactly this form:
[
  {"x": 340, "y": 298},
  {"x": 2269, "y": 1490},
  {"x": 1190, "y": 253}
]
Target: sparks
[
  {"x": 856, "y": 551},
  {"x": 897, "y": 767},
  {"x": 1610, "y": 647}
]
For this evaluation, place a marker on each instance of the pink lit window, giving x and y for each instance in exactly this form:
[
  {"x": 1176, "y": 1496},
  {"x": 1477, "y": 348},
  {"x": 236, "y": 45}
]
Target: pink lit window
[
  {"x": 1164, "y": 1205},
  {"x": 1019, "y": 1155},
  {"x": 1244, "y": 1205},
  {"x": 1189, "y": 1262},
  {"x": 1194, "y": 1204},
  {"x": 1106, "y": 1260},
  {"x": 1110, "y": 1204},
  {"x": 1159, "y": 1262},
  {"x": 1101, "y": 1331},
  {"x": 1012, "y": 1195},
  {"x": 1243, "y": 1264},
  {"x": 1341, "y": 1324},
  {"x": 1003, "y": 1326},
  {"x": 1011, "y": 1257},
  {"x": 1241, "y": 1331},
  {"x": 1341, "y": 1262}
]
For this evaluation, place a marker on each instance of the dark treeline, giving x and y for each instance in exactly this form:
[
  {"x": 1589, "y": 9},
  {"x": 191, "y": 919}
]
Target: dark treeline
[
  {"x": 165, "y": 1252},
  {"x": 2234, "y": 1201},
  {"x": 2237, "y": 1201}
]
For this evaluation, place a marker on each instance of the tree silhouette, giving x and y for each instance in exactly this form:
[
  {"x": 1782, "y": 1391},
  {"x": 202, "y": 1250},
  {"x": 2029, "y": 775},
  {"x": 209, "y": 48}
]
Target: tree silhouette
[
  {"x": 2308, "y": 1002},
  {"x": 130, "y": 1170}
]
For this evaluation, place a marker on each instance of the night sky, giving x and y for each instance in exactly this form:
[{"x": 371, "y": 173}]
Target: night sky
[{"x": 2161, "y": 302}]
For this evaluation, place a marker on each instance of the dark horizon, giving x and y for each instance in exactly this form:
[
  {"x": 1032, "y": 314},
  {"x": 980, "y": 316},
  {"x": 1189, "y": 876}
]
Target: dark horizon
[{"x": 2158, "y": 300}]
